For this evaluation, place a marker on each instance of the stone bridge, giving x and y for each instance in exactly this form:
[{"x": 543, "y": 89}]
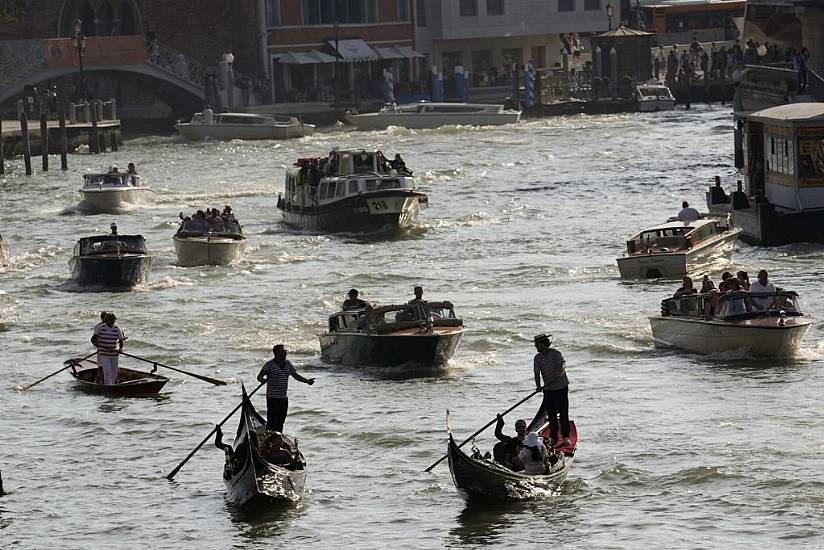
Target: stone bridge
[{"x": 160, "y": 71}]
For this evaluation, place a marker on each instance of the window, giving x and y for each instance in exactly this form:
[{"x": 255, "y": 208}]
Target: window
[
  {"x": 494, "y": 7},
  {"x": 469, "y": 8},
  {"x": 403, "y": 10},
  {"x": 353, "y": 187},
  {"x": 538, "y": 56},
  {"x": 420, "y": 12},
  {"x": 594, "y": 5},
  {"x": 322, "y": 12},
  {"x": 273, "y": 13},
  {"x": 566, "y": 5}
]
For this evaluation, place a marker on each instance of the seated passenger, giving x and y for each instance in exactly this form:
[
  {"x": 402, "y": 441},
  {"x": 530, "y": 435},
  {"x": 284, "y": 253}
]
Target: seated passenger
[
  {"x": 686, "y": 288},
  {"x": 507, "y": 449},
  {"x": 688, "y": 214},
  {"x": 353, "y": 302},
  {"x": 762, "y": 286},
  {"x": 744, "y": 279},
  {"x": 274, "y": 450},
  {"x": 707, "y": 284},
  {"x": 533, "y": 455}
]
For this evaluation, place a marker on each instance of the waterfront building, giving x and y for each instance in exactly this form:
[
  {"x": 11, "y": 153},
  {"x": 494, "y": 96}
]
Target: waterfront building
[{"x": 678, "y": 21}]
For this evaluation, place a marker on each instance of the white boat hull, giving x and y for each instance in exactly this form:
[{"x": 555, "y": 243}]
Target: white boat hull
[
  {"x": 652, "y": 105},
  {"x": 381, "y": 121},
  {"x": 192, "y": 251},
  {"x": 760, "y": 337},
  {"x": 108, "y": 199},
  {"x": 674, "y": 265},
  {"x": 238, "y": 131}
]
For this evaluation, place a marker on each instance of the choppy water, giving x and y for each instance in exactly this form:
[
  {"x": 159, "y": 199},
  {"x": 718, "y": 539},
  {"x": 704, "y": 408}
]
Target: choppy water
[{"x": 521, "y": 234}]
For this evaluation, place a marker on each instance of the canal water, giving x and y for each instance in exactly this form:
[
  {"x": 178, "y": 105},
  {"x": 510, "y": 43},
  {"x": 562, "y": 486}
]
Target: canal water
[{"x": 522, "y": 232}]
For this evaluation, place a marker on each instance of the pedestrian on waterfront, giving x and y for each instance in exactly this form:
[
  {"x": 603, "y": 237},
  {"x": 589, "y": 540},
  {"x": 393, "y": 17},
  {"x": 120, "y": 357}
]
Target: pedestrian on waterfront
[
  {"x": 353, "y": 302},
  {"x": 687, "y": 213},
  {"x": 549, "y": 364},
  {"x": 108, "y": 338},
  {"x": 276, "y": 373}
]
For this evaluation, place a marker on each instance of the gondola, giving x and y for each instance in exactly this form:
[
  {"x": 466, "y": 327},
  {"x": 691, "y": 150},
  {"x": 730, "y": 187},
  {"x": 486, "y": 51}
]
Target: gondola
[
  {"x": 478, "y": 477},
  {"x": 130, "y": 383},
  {"x": 249, "y": 476}
]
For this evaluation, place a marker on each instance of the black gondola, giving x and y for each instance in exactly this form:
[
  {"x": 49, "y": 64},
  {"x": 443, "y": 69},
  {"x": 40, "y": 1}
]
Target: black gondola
[
  {"x": 249, "y": 476},
  {"x": 116, "y": 262}
]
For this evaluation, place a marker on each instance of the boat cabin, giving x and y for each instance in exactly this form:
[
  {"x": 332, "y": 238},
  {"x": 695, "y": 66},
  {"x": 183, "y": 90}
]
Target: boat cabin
[
  {"x": 198, "y": 227},
  {"x": 733, "y": 305},
  {"x": 783, "y": 150},
  {"x": 395, "y": 317},
  {"x": 674, "y": 236},
  {"x": 441, "y": 108},
  {"x": 110, "y": 179},
  {"x": 653, "y": 92},
  {"x": 110, "y": 244}
]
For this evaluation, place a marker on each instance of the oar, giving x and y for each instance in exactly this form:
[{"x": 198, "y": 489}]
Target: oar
[
  {"x": 488, "y": 424},
  {"x": 204, "y": 378},
  {"x": 174, "y": 472},
  {"x": 66, "y": 365}
]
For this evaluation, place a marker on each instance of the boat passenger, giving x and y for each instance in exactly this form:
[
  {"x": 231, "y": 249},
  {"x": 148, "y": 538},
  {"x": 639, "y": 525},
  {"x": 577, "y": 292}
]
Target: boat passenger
[
  {"x": 533, "y": 455},
  {"x": 550, "y": 365},
  {"x": 363, "y": 319},
  {"x": 507, "y": 449},
  {"x": 229, "y": 465},
  {"x": 725, "y": 277},
  {"x": 273, "y": 449},
  {"x": 744, "y": 279},
  {"x": 686, "y": 288},
  {"x": 108, "y": 339},
  {"x": 707, "y": 284},
  {"x": 688, "y": 214},
  {"x": 353, "y": 302},
  {"x": 762, "y": 286},
  {"x": 398, "y": 163},
  {"x": 418, "y": 291},
  {"x": 276, "y": 373},
  {"x": 208, "y": 115}
]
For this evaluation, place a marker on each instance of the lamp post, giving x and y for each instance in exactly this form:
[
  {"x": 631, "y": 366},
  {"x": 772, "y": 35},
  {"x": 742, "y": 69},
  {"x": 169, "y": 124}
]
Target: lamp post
[
  {"x": 230, "y": 81},
  {"x": 80, "y": 46},
  {"x": 609, "y": 14}
]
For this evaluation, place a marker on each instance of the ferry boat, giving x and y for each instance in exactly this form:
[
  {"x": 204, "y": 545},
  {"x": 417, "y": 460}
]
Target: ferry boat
[
  {"x": 350, "y": 191},
  {"x": 769, "y": 324},
  {"x": 674, "y": 249},
  {"x": 110, "y": 191},
  {"x": 243, "y": 126},
  {"x": 112, "y": 261},
  {"x": 781, "y": 152},
  {"x": 208, "y": 243},
  {"x": 434, "y": 115},
  {"x": 421, "y": 334},
  {"x": 654, "y": 97}
]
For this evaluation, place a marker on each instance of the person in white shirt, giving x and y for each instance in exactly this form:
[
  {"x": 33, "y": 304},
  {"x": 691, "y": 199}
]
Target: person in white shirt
[
  {"x": 533, "y": 455},
  {"x": 208, "y": 115},
  {"x": 762, "y": 286},
  {"x": 688, "y": 214},
  {"x": 108, "y": 338}
]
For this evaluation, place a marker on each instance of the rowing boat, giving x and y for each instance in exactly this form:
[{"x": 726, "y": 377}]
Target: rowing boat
[
  {"x": 130, "y": 383},
  {"x": 254, "y": 476}
]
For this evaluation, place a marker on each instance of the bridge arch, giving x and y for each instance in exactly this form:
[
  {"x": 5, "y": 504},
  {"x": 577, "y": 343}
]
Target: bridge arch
[{"x": 101, "y": 17}]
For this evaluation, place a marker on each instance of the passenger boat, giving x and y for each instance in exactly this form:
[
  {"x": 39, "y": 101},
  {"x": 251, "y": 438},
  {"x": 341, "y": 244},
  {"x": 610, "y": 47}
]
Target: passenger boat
[
  {"x": 478, "y": 477},
  {"x": 654, "y": 97},
  {"x": 675, "y": 249},
  {"x": 758, "y": 324},
  {"x": 209, "y": 243},
  {"x": 422, "y": 335},
  {"x": 249, "y": 476},
  {"x": 110, "y": 191},
  {"x": 113, "y": 261},
  {"x": 434, "y": 115},
  {"x": 5, "y": 256},
  {"x": 350, "y": 191},
  {"x": 129, "y": 383},
  {"x": 243, "y": 126}
]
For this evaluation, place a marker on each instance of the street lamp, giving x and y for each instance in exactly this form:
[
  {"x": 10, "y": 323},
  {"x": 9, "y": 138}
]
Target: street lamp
[
  {"x": 230, "y": 80},
  {"x": 80, "y": 45},
  {"x": 609, "y": 14}
]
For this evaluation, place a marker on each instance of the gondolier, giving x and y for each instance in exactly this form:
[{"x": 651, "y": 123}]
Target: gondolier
[
  {"x": 108, "y": 338},
  {"x": 276, "y": 373},
  {"x": 549, "y": 364}
]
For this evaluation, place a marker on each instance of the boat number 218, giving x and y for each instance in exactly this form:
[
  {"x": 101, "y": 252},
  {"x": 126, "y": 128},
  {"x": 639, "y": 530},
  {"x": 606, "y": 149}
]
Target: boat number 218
[{"x": 379, "y": 205}]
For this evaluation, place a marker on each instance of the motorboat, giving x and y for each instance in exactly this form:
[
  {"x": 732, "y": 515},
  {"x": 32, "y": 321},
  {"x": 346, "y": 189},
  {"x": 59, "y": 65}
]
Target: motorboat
[
  {"x": 427, "y": 114},
  {"x": 654, "y": 97},
  {"x": 421, "y": 335},
  {"x": 350, "y": 191},
  {"x": 5, "y": 256},
  {"x": 129, "y": 383},
  {"x": 113, "y": 261},
  {"x": 674, "y": 249},
  {"x": 204, "y": 242},
  {"x": 108, "y": 192},
  {"x": 256, "y": 473},
  {"x": 768, "y": 324},
  {"x": 243, "y": 126}
]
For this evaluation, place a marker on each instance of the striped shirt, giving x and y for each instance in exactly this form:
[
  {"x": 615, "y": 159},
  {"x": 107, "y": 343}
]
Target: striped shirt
[
  {"x": 277, "y": 378},
  {"x": 550, "y": 368},
  {"x": 107, "y": 339}
]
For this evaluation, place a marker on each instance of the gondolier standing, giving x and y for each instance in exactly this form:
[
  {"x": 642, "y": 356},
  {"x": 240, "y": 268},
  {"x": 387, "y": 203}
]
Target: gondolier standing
[
  {"x": 550, "y": 364},
  {"x": 108, "y": 338},
  {"x": 276, "y": 373}
]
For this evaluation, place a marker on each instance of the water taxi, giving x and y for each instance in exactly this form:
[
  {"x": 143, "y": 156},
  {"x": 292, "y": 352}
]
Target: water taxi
[
  {"x": 204, "y": 242},
  {"x": 108, "y": 192},
  {"x": 654, "y": 97},
  {"x": 434, "y": 115},
  {"x": 116, "y": 262},
  {"x": 674, "y": 249},
  {"x": 243, "y": 126}
]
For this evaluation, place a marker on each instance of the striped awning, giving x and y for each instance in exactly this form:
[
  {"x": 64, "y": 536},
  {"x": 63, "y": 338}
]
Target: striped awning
[
  {"x": 306, "y": 58},
  {"x": 353, "y": 50}
]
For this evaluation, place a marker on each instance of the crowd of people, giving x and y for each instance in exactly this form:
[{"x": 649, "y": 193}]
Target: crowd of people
[
  {"x": 731, "y": 284},
  {"x": 210, "y": 219}
]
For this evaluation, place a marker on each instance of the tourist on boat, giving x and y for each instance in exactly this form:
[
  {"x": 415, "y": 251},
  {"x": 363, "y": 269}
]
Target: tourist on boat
[
  {"x": 687, "y": 213},
  {"x": 418, "y": 291},
  {"x": 276, "y": 373},
  {"x": 744, "y": 279},
  {"x": 230, "y": 464},
  {"x": 686, "y": 288},
  {"x": 549, "y": 364},
  {"x": 273, "y": 450},
  {"x": 533, "y": 455},
  {"x": 725, "y": 277},
  {"x": 507, "y": 449},
  {"x": 132, "y": 171},
  {"x": 398, "y": 163},
  {"x": 707, "y": 285},
  {"x": 762, "y": 285},
  {"x": 108, "y": 338},
  {"x": 353, "y": 302},
  {"x": 208, "y": 115}
]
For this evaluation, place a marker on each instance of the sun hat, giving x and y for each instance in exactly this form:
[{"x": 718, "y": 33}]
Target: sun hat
[{"x": 532, "y": 439}]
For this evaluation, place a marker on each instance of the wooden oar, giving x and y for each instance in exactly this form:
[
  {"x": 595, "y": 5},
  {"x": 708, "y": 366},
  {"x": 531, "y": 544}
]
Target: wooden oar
[
  {"x": 174, "y": 472},
  {"x": 204, "y": 378},
  {"x": 66, "y": 365},
  {"x": 488, "y": 424}
]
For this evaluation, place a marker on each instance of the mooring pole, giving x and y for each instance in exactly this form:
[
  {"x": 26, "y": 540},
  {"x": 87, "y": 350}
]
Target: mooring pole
[
  {"x": 2, "y": 160},
  {"x": 94, "y": 135},
  {"x": 64, "y": 146},
  {"x": 114, "y": 140},
  {"x": 44, "y": 141},
  {"x": 24, "y": 129}
]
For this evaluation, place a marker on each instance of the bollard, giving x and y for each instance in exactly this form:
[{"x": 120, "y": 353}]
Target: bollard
[
  {"x": 2, "y": 160},
  {"x": 94, "y": 135},
  {"x": 114, "y": 140},
  {"x": 99, "y": 109},
  {"x": 64, "y": 146},
  {"x": 24, "y": 129},
  {"x": 44, "y": 141}
]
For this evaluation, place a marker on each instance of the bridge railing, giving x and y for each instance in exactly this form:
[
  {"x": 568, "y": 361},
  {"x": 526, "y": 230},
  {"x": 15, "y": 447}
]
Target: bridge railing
[{"x": 175, "y": 62}]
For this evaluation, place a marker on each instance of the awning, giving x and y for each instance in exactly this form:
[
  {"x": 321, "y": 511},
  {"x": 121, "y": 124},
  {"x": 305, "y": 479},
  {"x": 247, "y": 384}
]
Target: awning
[
  {"x": 353, "y": 50},
  {"x": 305, "y": 58},
  {"x": 397, "y": 52}
]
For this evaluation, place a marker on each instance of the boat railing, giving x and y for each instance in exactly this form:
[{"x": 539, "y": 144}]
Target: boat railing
[{"x": 733, "y": 305}]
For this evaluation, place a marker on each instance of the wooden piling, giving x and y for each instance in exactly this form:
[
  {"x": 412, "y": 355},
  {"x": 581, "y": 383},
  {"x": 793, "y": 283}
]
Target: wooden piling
[
  {"x": 2, "y": 159},
  {"x": 64, "y": 145},
  {"x": 44, "y": 141},
  {"x": 24, "y": 130},
  {"x": 94, "y": 135},
  {"x": 114, "y": 140}
]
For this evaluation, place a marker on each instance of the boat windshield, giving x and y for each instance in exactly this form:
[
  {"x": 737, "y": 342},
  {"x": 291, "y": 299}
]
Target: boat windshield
[
  {"x": 109, "y": 180},
  {"x": 659, "y": 240},
  {"x": 117, "y": 246},
  {"x": 202, "y": 227},
  {"x": 733, "y": 305}
]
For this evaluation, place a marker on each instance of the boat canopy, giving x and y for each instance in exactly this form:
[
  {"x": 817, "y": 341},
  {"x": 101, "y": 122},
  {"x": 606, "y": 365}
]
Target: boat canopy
[
  {"x": 108, "y": 244},
  {"x": 193, "y": 228},
  {"x": 734, "y": 305},
  {"x": 110, "y": 179}
]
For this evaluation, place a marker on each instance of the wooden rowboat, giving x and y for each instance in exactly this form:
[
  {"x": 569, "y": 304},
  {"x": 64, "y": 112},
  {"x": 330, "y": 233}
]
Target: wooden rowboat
[
  {"x": 249, "y": 476},
  {"x": 477, "y": 477},
  {"x": 130, "y": 383}
]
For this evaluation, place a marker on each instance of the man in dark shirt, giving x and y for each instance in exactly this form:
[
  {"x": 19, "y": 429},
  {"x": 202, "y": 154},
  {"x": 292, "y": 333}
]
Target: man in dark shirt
[
  {"x": 507, "y": 449},
  {"x": 353, "y": 302},
  {"x": 418, "y": 290}
]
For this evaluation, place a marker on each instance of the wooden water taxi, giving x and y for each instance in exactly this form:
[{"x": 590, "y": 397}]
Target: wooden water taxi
[
  {"x": 208, "y": 242},
  {"x": 110, "y": 191},
  {"x": 243, "y": 126},
  {"x": 427, "y": 114},
  {"x": 114, "y": 261}
]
